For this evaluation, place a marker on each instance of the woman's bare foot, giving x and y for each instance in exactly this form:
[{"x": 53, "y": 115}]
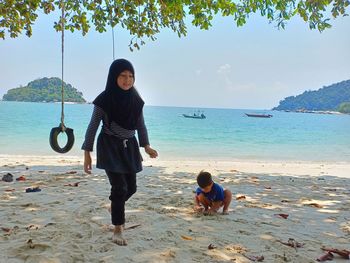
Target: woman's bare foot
[
  {"x": 118, "y": 237},
  {"x": 225, "y": 212}
]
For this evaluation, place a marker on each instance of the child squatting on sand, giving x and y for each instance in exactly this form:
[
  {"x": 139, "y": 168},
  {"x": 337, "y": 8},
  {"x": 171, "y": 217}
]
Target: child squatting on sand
[{"x": 210, "y": 196}]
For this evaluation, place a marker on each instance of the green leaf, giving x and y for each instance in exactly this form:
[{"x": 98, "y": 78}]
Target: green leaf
[{"x": 146, "y": 18}]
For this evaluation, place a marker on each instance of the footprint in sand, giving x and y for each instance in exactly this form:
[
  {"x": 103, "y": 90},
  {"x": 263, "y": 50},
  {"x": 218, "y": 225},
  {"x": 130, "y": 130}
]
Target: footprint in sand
[
  {"x": 169, "y": 254},
  {"x": 30, "y": 205},
  {"x": 30, "y": 248}
]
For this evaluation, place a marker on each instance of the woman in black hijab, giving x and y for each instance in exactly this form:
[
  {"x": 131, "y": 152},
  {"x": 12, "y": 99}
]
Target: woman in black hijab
[{"x": 120, "y": 108}]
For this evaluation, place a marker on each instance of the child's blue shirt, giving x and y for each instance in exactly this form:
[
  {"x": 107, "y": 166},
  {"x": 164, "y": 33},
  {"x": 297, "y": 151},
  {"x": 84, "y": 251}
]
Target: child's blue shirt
[{"x": 216, "y": 193}]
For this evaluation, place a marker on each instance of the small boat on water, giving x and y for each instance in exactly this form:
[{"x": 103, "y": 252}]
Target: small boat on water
[
  {"x": 195, "y": 115},
  {"x": 256, "y": 115}
]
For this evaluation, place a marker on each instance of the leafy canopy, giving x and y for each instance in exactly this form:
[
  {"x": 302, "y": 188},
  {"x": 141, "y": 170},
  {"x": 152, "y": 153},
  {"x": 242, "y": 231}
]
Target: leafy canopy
[{"x": 145, "y": 18}]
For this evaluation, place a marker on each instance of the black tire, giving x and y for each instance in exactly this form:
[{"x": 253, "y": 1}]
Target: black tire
[{"x": 54, "y": 143}]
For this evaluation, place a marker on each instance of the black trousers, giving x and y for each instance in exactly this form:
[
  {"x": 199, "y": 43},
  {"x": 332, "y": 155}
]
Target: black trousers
[{"x": 123, "y": 186}]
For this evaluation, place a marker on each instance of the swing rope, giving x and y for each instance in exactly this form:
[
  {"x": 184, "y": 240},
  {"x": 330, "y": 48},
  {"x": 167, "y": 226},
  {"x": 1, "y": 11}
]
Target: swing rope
[
  {"x": 110, "y": 11},
  {"x": 61, "y": 127},
  {"x": 113, "y": 39}
]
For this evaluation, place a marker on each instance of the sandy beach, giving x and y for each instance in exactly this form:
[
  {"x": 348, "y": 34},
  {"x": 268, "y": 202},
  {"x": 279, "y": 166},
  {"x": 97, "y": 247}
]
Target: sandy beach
[{"x": 304, "y": 203}]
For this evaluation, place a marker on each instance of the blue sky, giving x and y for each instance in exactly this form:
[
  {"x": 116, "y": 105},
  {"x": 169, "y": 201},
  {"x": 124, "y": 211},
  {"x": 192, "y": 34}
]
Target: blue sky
[{"x": 254, "y": 66}]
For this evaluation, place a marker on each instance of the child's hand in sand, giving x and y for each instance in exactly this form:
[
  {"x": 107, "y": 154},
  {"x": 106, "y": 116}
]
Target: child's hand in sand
[
  {"x": 210, "y": 212},
  {"x": 198, "y": 208}
]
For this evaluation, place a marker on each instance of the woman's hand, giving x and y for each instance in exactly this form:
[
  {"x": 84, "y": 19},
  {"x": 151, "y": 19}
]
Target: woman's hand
[
  {"x": 151, "y": 152},
  {"x": 87, "y": 162}
]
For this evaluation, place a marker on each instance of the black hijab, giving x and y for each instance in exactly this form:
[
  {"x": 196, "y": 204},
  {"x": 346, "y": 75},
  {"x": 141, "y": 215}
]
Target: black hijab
[{"x": 121, "y": 106}]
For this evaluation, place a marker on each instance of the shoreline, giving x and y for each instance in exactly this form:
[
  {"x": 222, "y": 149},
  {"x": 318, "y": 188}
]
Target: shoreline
[
  {"x": 286, "y": 167},
  {"x": 180, "y": 159},
  {"x": 331, "y": 112},
  {"x": 194, "y": 158}
]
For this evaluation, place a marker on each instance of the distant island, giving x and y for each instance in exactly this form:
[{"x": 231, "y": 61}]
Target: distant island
[
  {"x": 335, "y": 97},
  {"x": 45, "y": 90}
]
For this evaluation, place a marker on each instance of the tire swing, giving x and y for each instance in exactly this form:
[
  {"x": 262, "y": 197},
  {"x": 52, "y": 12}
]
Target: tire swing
[{"x": 61, "y": 127}]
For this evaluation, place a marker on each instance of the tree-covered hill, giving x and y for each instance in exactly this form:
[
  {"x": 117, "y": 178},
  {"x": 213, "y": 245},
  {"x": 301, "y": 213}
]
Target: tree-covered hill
[
  {"x": 45, "y": 90},
  {"x": 335, "y": 97}
]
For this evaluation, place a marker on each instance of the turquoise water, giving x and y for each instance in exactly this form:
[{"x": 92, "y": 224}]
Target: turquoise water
[{"x": 225, "y": 134}]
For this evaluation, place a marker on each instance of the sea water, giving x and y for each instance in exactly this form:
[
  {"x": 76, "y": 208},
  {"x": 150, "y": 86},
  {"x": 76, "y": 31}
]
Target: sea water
[{"x": 225, "y": 134}]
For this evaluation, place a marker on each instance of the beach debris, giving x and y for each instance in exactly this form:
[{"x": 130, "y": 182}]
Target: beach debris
[
  {"x": 211, "y": 246},
  {"x": 284, "y": 216},
  {"x": 186, "y": 237},
  {"x": 21, "y": 178},
  {"x": 7, "y": 177},
  {"x": 10, "y": 190},
  {"x": 30, "y": 243},
  {"x": 6, "y": 229},
  {"x": 169, "y": 254},
  {"x": 254, "y": 258},
  {"x": 284, "y": 257},
  {"x": 41, "y": 171},
  {"x": 341, "y": 252},
  {"x": 32, "y": 190},
  {"x": 314, "y": 205},
  {"x": 132, "y": 226},
  {"x": 32, "y": 227},
  {"x": 325, "y": 257},
  {"x": 241, "y": 197},
  {"x": 71, "y": 172},
  {"x": 237, "y": 249},
  {"x": 254, "y": 179},
  {"x": 268, "y": 187},
  {"x": 292, "y": 243},
  {"x": 38, "y": 246},
  {"x": 315, "y": 187},
  {"x": 74, "y": 184}
]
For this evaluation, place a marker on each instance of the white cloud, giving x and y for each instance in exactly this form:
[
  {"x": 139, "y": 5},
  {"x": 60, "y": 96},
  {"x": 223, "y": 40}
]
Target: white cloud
[
  {"x": 224, "y": 72},
  {"x": 224, "y": 69}
]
